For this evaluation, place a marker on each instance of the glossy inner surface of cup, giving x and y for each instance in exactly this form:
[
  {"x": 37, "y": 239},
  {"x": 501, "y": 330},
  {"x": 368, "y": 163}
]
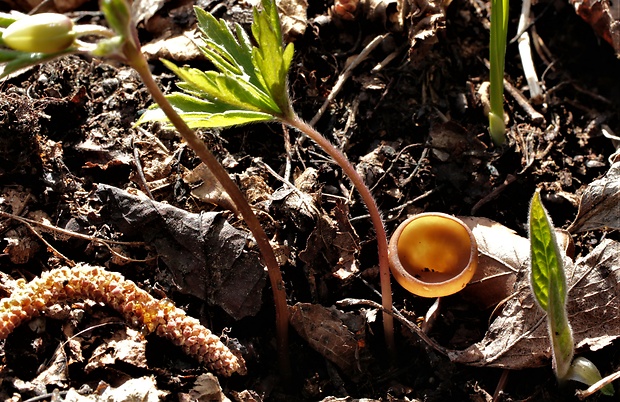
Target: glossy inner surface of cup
[{"x": 437, "y": 255}]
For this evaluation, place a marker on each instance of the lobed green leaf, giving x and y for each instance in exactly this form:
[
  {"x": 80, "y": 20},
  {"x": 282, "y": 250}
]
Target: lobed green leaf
[{"x": 200, "y": 113}]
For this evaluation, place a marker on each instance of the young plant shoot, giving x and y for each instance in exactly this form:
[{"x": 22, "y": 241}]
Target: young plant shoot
[
  {"x": 549, "y": 288},
  {"x": 251, "y": 86},
  {"x": 497, "y": 54},
  {"x": 28, "y": 46}
]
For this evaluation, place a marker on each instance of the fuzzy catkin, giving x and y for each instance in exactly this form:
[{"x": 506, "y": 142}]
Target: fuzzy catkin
[{"x": 139, "y": 308}]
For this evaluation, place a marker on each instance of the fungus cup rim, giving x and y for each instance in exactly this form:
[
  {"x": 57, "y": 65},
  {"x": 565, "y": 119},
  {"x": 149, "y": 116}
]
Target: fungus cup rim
[{"x": 439, "y": 288}]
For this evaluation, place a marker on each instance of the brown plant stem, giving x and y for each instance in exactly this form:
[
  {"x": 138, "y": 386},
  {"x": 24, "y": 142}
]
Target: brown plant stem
[
  {"x": 375, "y": 216},
  {"x": 139, "y": 63}
]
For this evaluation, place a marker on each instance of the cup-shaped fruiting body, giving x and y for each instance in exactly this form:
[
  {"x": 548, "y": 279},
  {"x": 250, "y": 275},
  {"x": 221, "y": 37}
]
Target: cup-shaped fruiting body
[
  {"x": 40, "y": 33},
  {"x": 433, "y": 254}
]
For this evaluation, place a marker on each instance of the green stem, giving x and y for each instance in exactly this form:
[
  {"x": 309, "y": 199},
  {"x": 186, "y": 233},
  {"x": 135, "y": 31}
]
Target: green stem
[
  {"x": 139, "y": 63},
  {"x": 375, "y": 217},
  {"x": 497, "y": 56}
]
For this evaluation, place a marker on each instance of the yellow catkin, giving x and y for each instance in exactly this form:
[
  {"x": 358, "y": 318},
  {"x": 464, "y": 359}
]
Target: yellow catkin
[{"x": 137, "y": 307}]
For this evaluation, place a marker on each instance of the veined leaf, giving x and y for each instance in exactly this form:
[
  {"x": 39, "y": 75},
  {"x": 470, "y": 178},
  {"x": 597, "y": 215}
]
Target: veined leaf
[
  {"x": 547, "y": 268},
  {"x": 222, "y": 44},
  {"x": 200, "y": 113},
  {"x": 270, "y": 59},
  {"x": 227, "y": 89},
  {"x": 549, "y": 285},
  {"x": 249, "y": 78}
]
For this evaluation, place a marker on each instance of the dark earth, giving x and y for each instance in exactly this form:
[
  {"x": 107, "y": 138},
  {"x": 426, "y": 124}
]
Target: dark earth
[{"x": 418, "y": 133}]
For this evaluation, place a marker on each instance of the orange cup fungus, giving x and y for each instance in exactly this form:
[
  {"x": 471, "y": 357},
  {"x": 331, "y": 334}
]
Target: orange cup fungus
[{"x": 433, "y": 254}]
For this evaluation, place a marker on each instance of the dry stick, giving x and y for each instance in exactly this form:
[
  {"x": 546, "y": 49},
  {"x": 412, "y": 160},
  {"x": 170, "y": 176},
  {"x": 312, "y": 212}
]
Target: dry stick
[
  {"x": 526, "y": 53},
  {"x": 375, "y": 216},
  {"x": 345, "y": 76},
  {"x": 139, "y": 63}
]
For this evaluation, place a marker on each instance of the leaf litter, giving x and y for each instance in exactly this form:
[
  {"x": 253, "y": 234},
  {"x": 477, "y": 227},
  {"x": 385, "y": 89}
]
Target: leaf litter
[{"x": 593, "y": 277}]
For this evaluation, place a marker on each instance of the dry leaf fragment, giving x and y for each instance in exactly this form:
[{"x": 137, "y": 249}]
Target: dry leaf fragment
[
  {"x": 604, "y": 18},
  {"x": 208, "y": 188},
  {"x": 293, "y": 15},
  {"x": 502, "y": 253},
  {"x": 336, "y": 335},
  {"x": 178, "y": 48},
  {"x": 126, "y": 345},
  {"x": 518, "y": 339},
  {"x": 599, "y": 206},
  {"x": 333, "y": 241},
  {"x": 207, "y": 389}
]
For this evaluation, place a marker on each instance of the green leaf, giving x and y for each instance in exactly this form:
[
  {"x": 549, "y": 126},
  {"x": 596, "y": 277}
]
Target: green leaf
[
  {"x": 585, "y": 372},
  {"x": 118, "y": 16},
  {"x": 549, "y": 284},
  {"x": 237, "y": 93},
  {"x": 250, "y": 83},
  {"x": 200, "y": 113},
  {"x": 270, "y": 59},
  {"x": 7, "y": 19}
]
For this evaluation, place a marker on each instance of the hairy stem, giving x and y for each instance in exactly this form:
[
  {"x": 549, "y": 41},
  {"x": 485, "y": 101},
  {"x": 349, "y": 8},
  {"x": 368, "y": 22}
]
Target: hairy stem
[
  {"x": 139, "y": 63},
  {"x": 375, "y": 217}
]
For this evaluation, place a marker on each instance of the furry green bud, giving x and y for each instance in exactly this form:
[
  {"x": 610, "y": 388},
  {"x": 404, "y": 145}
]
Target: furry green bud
[{"x": 40, "y": 33}]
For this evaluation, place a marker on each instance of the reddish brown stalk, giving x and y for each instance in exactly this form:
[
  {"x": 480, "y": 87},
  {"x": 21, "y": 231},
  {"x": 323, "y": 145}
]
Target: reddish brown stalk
[
  {"x": 139, "y": 63},
  {"x": 375, "y": 217}
]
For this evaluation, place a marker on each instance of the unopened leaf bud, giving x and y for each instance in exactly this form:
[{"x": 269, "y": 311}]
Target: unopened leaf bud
[{"x": 40, "y": 33}]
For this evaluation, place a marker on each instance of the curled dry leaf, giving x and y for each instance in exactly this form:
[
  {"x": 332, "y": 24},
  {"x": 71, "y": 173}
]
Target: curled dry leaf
[
  {"x": 126, "y": 345},
  {"x": 518, "y": 338},
  {"x": 207, "y": 188},
  {"x": 598, "y": 207},
  {"x": 338, "y": 336}
]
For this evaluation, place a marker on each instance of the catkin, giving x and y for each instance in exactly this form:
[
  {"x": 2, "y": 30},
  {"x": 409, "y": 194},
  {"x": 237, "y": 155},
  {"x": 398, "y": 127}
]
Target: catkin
[{"x": 138, "y": 308}]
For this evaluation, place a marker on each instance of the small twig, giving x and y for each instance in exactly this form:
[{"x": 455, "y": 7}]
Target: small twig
[
  {"x": 396, "y": 158},
  {"x": 396, "y": 209},
  {"x": 535, "y": 116},
  {"x": 105, "y": 242},
  {"x": 501, "y": 384},
  {"x": 597, "y": 386},
  {"x": 142, "y": 179},
  {"x": 388, "y": 59},
  {"x": 526, "y": 52},
  {"x": 493, "y": 194},
  {"x": 400, "y": 317},
  {"x": 345, "y": 76}
]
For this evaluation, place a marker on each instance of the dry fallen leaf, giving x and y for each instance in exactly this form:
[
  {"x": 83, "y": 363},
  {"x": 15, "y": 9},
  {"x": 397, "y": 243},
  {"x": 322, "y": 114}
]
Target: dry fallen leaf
[
  {"x": 604, "y": 17},
  {"x": 333, "y": 241},
  {"x": 338, "y": 336},
  {"x": 206, "y": 255},
  {"x": 207, "y": 389},
  {"x": 178, "y": 48},
  {"x": 599, "y": 204},
  {"x": 518, "y": 338},
  {"x": 502, "y": 254},
  {"x": 125, "y": 345}
]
